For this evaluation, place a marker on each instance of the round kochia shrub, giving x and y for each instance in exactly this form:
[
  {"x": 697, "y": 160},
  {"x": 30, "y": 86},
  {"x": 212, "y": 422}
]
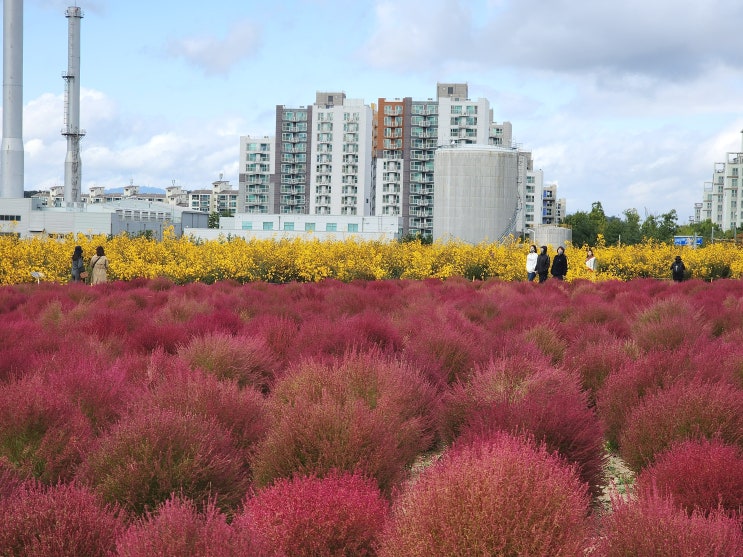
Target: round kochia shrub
[
  {"x": 496, "y": 496},
  {"x": 242, "y": 412},
  {"x": 338, "y": 515},
  {"x": 179, "y": 529},
  {"x": 681, "y": 411},
  {"x": 547, "y": 404},
  {"x": 42, "y": 434},
  {"x": 364, "y": 413},
  {"x": 149, "y": 455},
  {"x": 704, "y": 475},
  {"x": 59, "y": 521},
  {"x": 655, "y": 526},
  {"x": 244, "y": 359}
]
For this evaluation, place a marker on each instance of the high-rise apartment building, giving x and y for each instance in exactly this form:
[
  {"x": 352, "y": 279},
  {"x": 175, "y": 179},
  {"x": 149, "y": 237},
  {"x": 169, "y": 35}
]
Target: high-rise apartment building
[
  {"x": 722, "y": 198},
  {"x": 341, "y": 170},
  {"x": 552, "y": 207},
  {"x": 257, "y": 165},
  {"x": 341, "y": 156}
]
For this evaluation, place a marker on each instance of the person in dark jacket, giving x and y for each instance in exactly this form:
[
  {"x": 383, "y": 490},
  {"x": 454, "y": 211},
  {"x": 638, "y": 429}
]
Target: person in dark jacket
[
  {"x": 678, "y": 269},
  {"x": 78, "y": 264},
  {"x": 543, "y": 264},
  {"x": 560, "y": 264}
]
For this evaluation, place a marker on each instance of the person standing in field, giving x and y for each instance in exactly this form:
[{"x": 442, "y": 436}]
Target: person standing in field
[
  {"x": 78, "y": 264},
  {"x": 543, "y": 264},
  {"x": 590, "y": 260},
  {"x": 678, "y": 269},
  {"x": 560, "y": 264},
  {"x": 99, "y": 267},
  {"x": 531, "y": 263}
]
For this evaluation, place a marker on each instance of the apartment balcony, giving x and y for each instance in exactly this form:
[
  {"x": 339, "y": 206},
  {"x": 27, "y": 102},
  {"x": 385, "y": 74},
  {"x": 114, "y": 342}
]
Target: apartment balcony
[
  {"x": 349, "y": 200},
  {"x": 351, "y": 190},
  {"x": 292, "y": 190},
  {"x": 421, "y": 189}
]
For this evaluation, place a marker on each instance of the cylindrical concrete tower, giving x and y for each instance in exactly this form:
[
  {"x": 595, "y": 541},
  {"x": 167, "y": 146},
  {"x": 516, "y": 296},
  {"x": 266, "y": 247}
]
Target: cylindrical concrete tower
[
  {"x": 475, "y": 193},
  {"x": 12, "y": 143},
  {"x": 72, "y": 131}
]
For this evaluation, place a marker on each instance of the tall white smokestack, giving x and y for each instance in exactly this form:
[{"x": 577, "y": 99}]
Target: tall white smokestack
[
  {"x": 12, "y": 144},
  {"x": 72, "y": 165}
]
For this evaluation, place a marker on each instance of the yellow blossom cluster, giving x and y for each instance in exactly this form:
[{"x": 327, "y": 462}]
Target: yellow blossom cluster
[{"x": 184, "y": 260}]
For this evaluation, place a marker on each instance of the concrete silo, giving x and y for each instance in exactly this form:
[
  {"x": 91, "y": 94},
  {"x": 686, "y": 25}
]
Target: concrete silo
[{"x": 475, "y": 193}]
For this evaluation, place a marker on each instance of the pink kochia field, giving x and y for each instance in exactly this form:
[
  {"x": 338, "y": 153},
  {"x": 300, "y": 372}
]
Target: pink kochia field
[{"x": 391, "y": 418}]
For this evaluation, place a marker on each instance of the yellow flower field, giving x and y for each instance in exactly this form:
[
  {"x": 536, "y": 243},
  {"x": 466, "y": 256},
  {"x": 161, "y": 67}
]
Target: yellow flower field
[{"x": 183, "y": 260}]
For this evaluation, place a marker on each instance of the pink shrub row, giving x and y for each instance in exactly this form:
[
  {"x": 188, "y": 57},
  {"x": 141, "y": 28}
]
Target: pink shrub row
[{"x": 195, "y": 407}]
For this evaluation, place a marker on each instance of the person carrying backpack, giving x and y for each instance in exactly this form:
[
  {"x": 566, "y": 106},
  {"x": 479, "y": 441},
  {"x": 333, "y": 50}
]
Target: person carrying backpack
[{"x": 678, "y": 269}]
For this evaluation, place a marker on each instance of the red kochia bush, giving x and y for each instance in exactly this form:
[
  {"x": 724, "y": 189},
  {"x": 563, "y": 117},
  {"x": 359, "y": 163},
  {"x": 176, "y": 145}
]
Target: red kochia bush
[
  {"x": 244, "y": 359},
  {"x": 179, "y": 529},
  {"x": 654, "y": 526},
  {"x": 242, "y": 412},
  {"x": 59, "y": 521},
  {"x": 548, "y": 405},
  {"x": 365, "y": 412},
  {"x": 339, "y": 515},
  {"x": 41, "y": 433},
  {"x": 697, "y": 474},
  {"x": 669, "y": 324},
  {"x": 497, "y": 496},
  {"x": 152, "y": 454},
  {"x": 682, "y": 411}
]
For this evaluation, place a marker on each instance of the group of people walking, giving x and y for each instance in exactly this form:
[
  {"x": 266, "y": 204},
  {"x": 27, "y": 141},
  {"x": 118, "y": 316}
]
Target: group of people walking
[
  {"x": 538, "y": 264},
  {"x": 96, "y": 272}
]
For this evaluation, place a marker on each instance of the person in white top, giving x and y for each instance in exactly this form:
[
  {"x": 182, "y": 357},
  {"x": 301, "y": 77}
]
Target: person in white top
[
  {"x": 590, "y": 260},
  {"x": 531, "y": 263}
]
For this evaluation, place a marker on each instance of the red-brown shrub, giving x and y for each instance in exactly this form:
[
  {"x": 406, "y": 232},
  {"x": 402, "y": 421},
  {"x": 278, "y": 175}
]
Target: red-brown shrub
[
  {"x": 339, "y": 515},
  {"x": 706, "y": 475},
  {"x": 59, "y": 521},
  {"x": 42, "y": 434},
  {"x": 669, "y": 324},
  {"x": 548, "y": 405},
  {"x": 365, "y": 412},
  {"x": 625, "y": 388},
  {"x": 242, "y": 412},
  {"x": 681, "y": 411},
  {"x": 10, "y": 479},
  {"x": 179, "y": 529},
  {"x": 444, "y": 345},
  {"x": 499, "y": 496},
  {"x": 244, "y": 359},
  {"x": 654, "y": 526},
  {"x": 148, "y": 456}
]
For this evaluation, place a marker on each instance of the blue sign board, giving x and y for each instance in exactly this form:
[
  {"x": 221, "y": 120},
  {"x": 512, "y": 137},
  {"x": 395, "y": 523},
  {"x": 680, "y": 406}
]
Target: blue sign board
[{"x": 687, "y": 241}]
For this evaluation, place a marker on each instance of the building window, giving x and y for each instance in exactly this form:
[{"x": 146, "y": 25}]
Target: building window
[
  {"x": 309, "y": 227},
  {"x": 353, "y": 227},
  {"x": 267, "y": 225},
  {"x": 10, "y": 218},
  {"x": 331, "y": 227},
  {"x": 288, "y": 226}
]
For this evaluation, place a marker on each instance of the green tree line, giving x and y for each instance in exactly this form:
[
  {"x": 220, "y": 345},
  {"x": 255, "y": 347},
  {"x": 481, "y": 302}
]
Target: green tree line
[{"x": 631, "y": 229}]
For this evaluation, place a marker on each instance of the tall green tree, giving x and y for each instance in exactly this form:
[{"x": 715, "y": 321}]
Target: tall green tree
[{"x": 584, "y": 228}]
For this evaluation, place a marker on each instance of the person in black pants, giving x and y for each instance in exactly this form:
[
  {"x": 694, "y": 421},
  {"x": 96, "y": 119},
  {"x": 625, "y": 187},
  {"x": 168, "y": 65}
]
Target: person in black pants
[
  {"x": 677, "y": 269},
  {"x": 543, "y": 264},
  {"x": 560, "y": 264}
]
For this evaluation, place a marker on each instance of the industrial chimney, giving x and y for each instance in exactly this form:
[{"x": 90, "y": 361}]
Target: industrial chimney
[
  {"x": 71, "y": 130},
  {"x": 12, "y": 143}
]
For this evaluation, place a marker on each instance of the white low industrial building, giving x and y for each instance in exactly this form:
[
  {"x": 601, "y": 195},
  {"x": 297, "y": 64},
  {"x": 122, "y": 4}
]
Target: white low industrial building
[
  {"x": 27, "y": 217},
  {"x": 289, "y": 226}
]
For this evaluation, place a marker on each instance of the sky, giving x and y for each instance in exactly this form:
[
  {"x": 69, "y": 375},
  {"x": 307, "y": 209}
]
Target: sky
[{"x": 627, "y": 103}]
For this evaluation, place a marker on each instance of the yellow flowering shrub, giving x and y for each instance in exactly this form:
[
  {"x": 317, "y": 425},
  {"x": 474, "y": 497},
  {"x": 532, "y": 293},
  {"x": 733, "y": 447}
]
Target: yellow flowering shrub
[{"x": 184, "y": 260}]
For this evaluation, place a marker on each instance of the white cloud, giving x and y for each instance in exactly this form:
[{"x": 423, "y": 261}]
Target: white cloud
[
  {"x": 217, "y": 56},
  {"x": 121, "y": 148}
]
